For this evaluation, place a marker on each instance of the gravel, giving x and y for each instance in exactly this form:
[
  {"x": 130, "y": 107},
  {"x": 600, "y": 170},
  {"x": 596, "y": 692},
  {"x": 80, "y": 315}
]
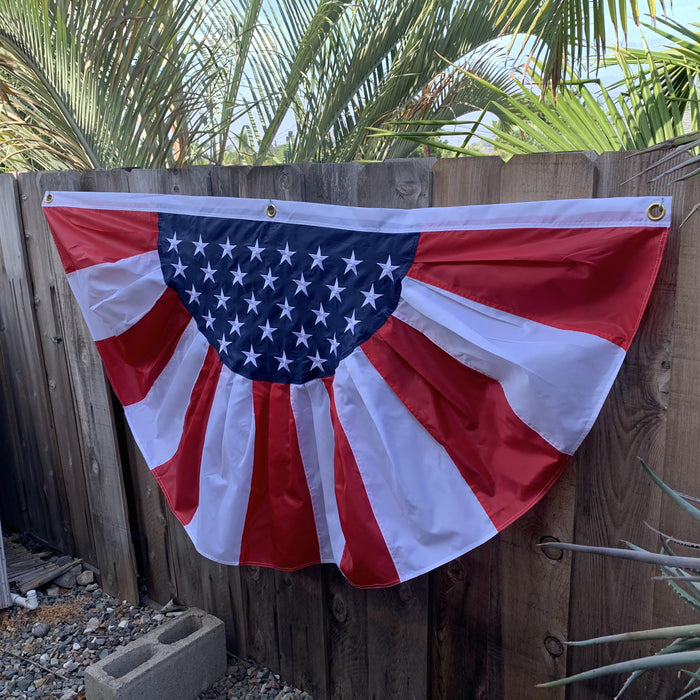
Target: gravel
[{"x": 44, "y": 652}]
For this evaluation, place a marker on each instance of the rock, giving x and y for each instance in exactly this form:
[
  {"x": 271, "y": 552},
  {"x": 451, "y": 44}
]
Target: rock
[
  {"x": 92, "y": 624},
  {"x": 53, "y": 591},
  {"x": 67, "y": 580},
  {"x": 40, "y": 629},
  {"x": 45, "y": 659},
  {"x": 84, "y": 578},
  {"x": 23, "y": 682},
  {"x": 69, "y": 695},
  {"x": 92, "y": 587},
  {"x": 76, "y": 646},
  {"x": 62, "y": 561},
  {"x": 70, "y": 665},
  {"x": 123, "y": 624},
  {"x": 39, "y": 682}
]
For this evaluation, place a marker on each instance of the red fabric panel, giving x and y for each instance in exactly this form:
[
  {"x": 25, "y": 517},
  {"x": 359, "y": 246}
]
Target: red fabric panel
[
  {"x": 507, "y": 464},
  {"x": 179, "y": 476},
  {"x": 86, "y": 237},
  {"x": 280, "y": 529},
  {"x": 594, "y": 280},
  {"x": 364, "y": 542},
  {"x": 135, "y": 359}
]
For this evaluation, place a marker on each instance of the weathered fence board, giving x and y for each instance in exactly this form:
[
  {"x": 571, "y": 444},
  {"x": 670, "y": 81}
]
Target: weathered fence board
[
  {"x": 613, "y": 497},
  {"x": 488, "y": 625}
]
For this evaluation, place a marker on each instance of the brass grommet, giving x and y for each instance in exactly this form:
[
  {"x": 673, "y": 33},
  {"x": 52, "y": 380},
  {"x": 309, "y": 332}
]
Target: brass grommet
[
  {"x": 656, "y": 211},
  {"x": 271, "y": 210},
  {"x": 49, "y": 198}
]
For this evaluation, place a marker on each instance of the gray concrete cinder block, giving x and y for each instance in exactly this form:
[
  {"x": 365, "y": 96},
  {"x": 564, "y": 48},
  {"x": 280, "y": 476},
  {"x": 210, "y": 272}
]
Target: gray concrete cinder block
[{"x": 177, "y": 661}]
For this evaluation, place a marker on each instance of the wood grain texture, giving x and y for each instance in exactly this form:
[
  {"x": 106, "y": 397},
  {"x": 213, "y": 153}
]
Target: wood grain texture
[
  {"x": 397, "y": 630},
  {"x": 613, "y": 497},
  {"x": 96, "y": 433},
  {"x": 465, "y": 596},
  {"x": 14, "y": 299},
  {"x": 534, "y": 618}
]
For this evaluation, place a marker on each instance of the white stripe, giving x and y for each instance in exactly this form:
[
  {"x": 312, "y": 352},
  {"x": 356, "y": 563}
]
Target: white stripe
[
  {"x": 311, "y": 407},
  {"x": 555, "y": 380},
  {"x": 614, "y": 211},
  {"x": 158, "y": 419},
  {"x": 226, "y": 471},
  {"x": 426, "y": 511},
  {"x": 114, "y": 296}
]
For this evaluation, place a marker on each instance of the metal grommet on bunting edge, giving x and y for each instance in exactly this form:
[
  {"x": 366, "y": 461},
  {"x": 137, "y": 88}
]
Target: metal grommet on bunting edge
[
  {"x": 48, "y": 198},
  {"x": 271, "y": 210},
  {"x": 656, "y": 211}
]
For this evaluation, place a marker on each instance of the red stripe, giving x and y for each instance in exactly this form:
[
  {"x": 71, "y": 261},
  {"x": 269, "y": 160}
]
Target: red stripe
[
  {"x": 179, "y": 476},
  {"x": 280, "y": 529},
  {"x": 86, "y": 237},
  {"x": 135, "y": 359},
  {"x": 366, "y": 561},
  {"x": 593, "y": 280},
  {"x": 508, "y": 465}
]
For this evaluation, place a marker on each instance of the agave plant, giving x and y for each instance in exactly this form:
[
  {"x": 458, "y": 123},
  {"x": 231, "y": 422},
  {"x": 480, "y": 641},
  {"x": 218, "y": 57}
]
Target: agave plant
[{"x": 683, "y": 575}]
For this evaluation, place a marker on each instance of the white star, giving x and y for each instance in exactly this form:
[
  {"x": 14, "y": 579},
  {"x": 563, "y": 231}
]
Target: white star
[
  {"x": 334, "y": 344},
  {"x": 238, "y": 276},
  {"x": 352, "y": 263},
  {"x": 194, "y": 295},
  {"x": 251, "y": 355},
  {"x": 223, "y": 344},
  {"x": 302, "y": 337},
  {"x": 252, "y": 303},
  {"x": 352, "y": 322},
  {"x": 236, "y": 325},
  {"x": 335, "y": 290},
  {"x": 286, "y": 309},
  {"x": 320, "y": 315},
  {"x": 301, "y": 284},
  {"x": 255, "y": 251},
  {"x": 174, "y": 242},
  {"x": 199, "y": 246},
  {"x": 267, "y": 330},
  {"x": 208, "y": 272},
  {"x": 284, "y": 362},
  {"x": 222, "y": 299},
  {"x": 286, "y": 256},
  {"x": 227, "y": 248},
  {"x": 210, "y": 320},
  {"x": 316, "y": 361},
  {"x": 269, "y": 279},
  {"x": 179, "y": 268},
  {"x": 387, "y": 269},
  {"x": 317, "y": 258},
  {"x": 371, "y": 297}
]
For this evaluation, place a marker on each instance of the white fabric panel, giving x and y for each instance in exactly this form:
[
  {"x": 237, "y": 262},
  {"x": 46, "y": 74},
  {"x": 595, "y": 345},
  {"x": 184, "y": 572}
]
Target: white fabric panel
[
  {"x": 226, "y": 471},
  {"x": 311, "y": 407},
  {"x": 158, "y": 419},
  {"x": 425, "y": 509},
  {"x": 114, "y": 296},
  {"x": 555, "y": 380},
  {"x": 575, "y": 213}
]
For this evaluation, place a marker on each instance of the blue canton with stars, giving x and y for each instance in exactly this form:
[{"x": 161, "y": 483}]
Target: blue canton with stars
[{"x": 282, "y": 302}]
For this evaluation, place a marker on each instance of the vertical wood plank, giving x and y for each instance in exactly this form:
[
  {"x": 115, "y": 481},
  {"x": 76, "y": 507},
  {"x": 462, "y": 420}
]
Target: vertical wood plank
[
  {"x": 534, "y": 594},
  {"x": 87, "y": 392},
  {"x": 614, "y": 498},
  {"x": 68, "y": 459},
  {"x": 397, "y": 632},
  {"x": 682, "y": 434},
  {"x": 16, "y": 338},
  {"x": 465, "y": 626},
  {"x": 195, "y": 579},
  {"x": 345, "y": 630}
]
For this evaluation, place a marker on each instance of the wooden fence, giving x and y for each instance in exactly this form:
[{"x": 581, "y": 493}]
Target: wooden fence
[{"x": 488, "y": 625}]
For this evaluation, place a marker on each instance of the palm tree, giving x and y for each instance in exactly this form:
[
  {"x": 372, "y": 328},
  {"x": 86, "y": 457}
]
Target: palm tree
[{"x": 97, "y": 85}]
